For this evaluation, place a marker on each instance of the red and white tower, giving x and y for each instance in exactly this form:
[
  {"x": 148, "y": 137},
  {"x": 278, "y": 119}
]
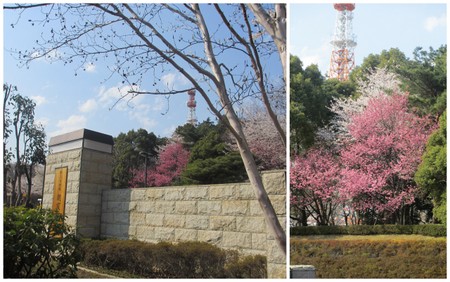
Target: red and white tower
[
  {"x": 191, "y": 103},
  {"x": 344, "y": 42}
]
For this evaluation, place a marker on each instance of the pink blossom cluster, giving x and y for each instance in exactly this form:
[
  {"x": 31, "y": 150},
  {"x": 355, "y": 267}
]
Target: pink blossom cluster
[
  {"x": 173, "y": 159},
  {"x": 315, "y": 179},
  {"x": 385, "y": 150}
]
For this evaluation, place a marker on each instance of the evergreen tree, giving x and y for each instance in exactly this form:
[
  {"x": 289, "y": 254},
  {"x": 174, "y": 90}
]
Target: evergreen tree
[
  {"x": 311, "y": 97},
  {"x": 212, "y": 161},
  {"x": 130, "y": 151},
  {"x": 431, "y": 175}
]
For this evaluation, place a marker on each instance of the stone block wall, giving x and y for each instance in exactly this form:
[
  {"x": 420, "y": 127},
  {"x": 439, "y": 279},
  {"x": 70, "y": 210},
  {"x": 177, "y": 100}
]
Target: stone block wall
[
  {"x": 89, "y": 173},
  {"x": 72, "y": 160},
  {"x": 226, "y": 215},
  {"x": 95, "y": 177}
]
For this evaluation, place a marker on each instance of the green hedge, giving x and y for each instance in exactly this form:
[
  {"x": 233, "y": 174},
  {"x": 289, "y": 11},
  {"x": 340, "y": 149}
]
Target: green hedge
[
  {"x": 435, "y": 230},
  {"x": 393, "y": 256},
  {"x": 167, "y": 260}
]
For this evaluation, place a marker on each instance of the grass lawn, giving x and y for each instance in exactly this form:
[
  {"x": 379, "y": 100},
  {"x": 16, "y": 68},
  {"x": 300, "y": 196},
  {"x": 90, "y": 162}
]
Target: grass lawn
[{"x": 372, "y": 256}]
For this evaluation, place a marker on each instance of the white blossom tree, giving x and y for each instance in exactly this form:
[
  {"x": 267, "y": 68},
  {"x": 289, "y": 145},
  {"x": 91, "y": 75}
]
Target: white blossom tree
[{"x": 262, "y": 137}]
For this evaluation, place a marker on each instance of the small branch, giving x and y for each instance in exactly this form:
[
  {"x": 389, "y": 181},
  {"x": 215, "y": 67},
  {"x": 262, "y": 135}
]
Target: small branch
[
  {"x": 20, "y": 6},
  {"x": 135, "y": 93},
  {"x": 180, "y": 13}
]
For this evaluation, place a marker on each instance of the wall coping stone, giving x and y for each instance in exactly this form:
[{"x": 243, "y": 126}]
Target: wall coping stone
[{"x": 82, "y": 138}]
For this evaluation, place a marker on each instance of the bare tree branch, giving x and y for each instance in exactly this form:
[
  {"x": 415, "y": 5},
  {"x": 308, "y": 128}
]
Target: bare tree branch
[
  {"x": 21, "y": 6},
  {"x": 173, "y": 92},
  {"x": 252, "y": 53},
  {"x": 180, "y": 13},
  {"x": 275, "y": 26}
]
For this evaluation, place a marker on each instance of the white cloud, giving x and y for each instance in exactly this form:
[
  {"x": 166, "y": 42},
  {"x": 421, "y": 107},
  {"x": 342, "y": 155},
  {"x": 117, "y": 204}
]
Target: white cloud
[
  {"x": 159, "y": 104},
  {"x": 140, "y": 113},
  {"x": 136, "y": 108},
  {"x": 72, "y": 123},
  {"x": 88, "y": 106},
  {"x": 89, "y": 67},
  {"x": 173, "y": 80},
  {"x": 169, "y": 79},
  {"x": 310, "y": 60},
  {"x": 51, "y": 56},
  {"x": 119, "y": 97},
  {"x": 42, "y": 121},
  {"x": 433, "y": 22},
  {"x": 319, "y": 56},
  {"x": 143, "y": 120},
  {"x": 39, "y": 100},
  {"x": 169, "y": 131}
]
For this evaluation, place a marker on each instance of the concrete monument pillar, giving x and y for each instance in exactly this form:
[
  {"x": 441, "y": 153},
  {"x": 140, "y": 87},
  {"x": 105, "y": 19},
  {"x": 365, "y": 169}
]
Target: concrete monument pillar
[{"x": 78, "y": 169}]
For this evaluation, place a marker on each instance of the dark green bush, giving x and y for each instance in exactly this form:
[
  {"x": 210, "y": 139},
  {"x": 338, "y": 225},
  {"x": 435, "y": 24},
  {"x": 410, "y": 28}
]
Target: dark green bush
[
  {"x": 435, "y": 230},
  {"x": 37, "y": 244},
  {"x": 167, "y": 260},
  {"x": 246, "y": 267}
]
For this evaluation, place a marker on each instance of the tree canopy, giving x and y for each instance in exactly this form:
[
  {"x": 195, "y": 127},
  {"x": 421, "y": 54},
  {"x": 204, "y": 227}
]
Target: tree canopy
[
  {"x": 310, "y": 100},
  {"x": 191, "y": 134},
  {"x": 171, "y": 162},
  {"x": 29, "y": 143},
  {"x": 423, "y": 76},
  {"x": 431, "y": 176},
  {"x": 212, "y": 160},
  {"x": 130, "y": 152}
]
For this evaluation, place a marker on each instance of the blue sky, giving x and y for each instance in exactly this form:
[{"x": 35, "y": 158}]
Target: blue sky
[
  {"x": 377, "y": 27},
  {"x": 66, "y": 102}
]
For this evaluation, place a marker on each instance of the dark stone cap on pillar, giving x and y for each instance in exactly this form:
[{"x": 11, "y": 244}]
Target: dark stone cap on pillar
[{"x": 81, "y": 138}]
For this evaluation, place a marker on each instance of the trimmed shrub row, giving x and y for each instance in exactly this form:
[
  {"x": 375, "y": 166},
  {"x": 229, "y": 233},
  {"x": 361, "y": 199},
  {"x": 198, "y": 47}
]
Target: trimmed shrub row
[
  {"x": 167, "y": 260},
  {"x": 364, "y": 258},
  {"x": 435, "y": 230}
]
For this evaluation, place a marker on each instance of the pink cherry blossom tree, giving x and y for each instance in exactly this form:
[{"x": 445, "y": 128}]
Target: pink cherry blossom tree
[
  {"x": 173, "y": 159},
  {"x": 315, "y": 184},
  {"x": 382, "y": 153}
]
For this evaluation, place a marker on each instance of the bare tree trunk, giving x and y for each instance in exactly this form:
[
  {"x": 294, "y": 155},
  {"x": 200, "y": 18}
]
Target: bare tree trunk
[
  {"x": 18, "y": 174},
  {"x": 276, "y": 27},
  {"x": 5, "y": 181},
  {"x": 29, "y": 175},
  {"x": 6, "y": 94},
  {"x": 261, "y": 194},
  {"x": 247, "y": 157},
  {"x": 13, "y": 189}
]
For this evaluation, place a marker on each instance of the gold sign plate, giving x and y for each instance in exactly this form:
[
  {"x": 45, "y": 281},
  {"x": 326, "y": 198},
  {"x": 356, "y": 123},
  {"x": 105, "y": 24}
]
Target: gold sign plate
[{"x": 59, "y": 190}]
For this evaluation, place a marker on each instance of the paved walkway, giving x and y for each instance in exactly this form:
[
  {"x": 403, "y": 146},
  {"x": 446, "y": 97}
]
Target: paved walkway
[{"x": 101, "y": 275}]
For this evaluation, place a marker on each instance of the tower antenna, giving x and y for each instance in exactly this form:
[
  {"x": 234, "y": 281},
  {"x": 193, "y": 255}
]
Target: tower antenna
[
  {"x": 191, "y": 103},
  {"x": 344, "y": 42}
]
